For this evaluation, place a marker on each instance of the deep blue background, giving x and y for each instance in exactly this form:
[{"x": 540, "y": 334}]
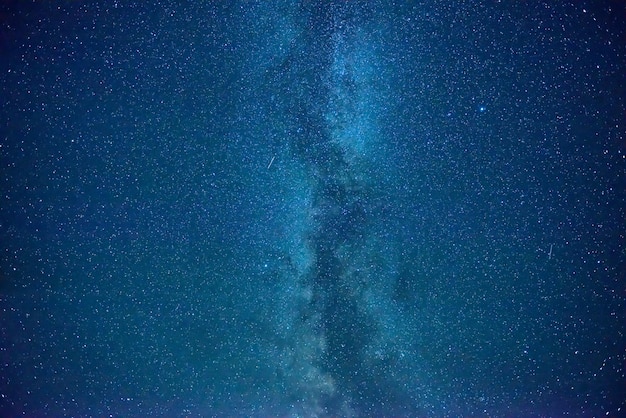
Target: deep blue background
[{"x": 314, "y": 208}]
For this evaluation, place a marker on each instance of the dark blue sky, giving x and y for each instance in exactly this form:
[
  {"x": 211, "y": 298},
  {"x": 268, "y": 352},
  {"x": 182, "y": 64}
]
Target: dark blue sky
[{"x": 312, "y": 208}]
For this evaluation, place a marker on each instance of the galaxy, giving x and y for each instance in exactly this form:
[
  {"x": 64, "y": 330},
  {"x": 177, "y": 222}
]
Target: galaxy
[{"x": 312, "y": 209}]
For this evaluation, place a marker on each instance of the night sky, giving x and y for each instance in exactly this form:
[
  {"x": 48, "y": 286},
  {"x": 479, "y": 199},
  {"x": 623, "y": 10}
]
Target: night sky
[{"x": 313, "y": 209}]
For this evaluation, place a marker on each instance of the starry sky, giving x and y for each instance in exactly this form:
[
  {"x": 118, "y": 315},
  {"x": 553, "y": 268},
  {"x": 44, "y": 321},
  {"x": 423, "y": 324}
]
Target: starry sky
[{"x": 312, "y": 208}]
